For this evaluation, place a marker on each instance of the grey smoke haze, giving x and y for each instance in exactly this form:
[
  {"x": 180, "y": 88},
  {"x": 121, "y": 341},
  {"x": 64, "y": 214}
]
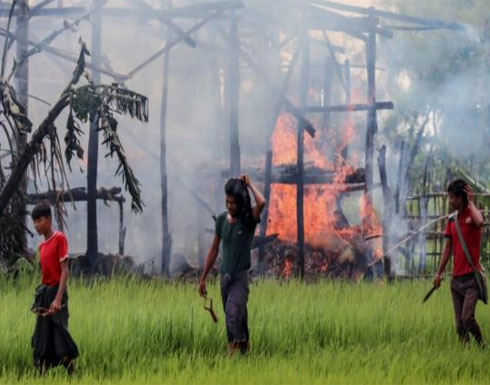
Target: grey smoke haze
[{"x": 197, "y": 134}]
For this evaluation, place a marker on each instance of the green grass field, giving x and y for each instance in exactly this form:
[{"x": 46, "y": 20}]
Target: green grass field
[{"x": 151, "y": 332}]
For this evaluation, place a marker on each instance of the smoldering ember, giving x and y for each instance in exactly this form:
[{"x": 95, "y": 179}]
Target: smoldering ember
[{"x": 345, "y": 120}]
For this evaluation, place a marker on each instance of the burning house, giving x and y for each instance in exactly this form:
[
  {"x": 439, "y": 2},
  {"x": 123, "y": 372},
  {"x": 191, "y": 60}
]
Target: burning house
[{"x": 315, "y": 63}]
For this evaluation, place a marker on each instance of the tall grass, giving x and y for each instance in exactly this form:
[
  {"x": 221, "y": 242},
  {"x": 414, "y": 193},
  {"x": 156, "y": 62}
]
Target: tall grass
[{"x": 132, "y": 331}]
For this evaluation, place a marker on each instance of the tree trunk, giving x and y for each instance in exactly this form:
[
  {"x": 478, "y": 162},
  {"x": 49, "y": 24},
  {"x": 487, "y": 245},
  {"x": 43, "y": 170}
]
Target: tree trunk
[
  {"x": 19, "y": 208},
  {"x": 30, "y": 151},
  {"x": 93, "y": 151}
]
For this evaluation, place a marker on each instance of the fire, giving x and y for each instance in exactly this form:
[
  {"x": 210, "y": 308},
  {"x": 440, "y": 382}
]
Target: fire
[
  {"x": 320, "y": 201},
  {"x": 372, "y": 226},
  {"x": 325, "y": 226},
  {"x": 288, "y": 268}
]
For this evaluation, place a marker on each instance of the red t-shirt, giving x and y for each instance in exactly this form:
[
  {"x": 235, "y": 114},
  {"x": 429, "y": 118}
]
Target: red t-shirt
[
  {"x": 52, "y": 252},
  {"x": 472, "y": 237}
]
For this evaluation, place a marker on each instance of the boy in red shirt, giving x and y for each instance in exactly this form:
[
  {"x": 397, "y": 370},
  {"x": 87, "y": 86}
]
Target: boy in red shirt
[
  {"x": 51, "y": 343},
  {"x": 464, "y": 287}
]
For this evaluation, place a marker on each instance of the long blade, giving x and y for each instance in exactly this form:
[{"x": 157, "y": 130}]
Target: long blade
[{"x": 430, "y": 292}]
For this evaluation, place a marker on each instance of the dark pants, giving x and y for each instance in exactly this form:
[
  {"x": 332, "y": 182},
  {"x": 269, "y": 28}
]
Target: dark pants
[
  {"x": 464, "y": 290},
  {"x": 51, "y": 342},
  {"x": 234, "y": 293}
]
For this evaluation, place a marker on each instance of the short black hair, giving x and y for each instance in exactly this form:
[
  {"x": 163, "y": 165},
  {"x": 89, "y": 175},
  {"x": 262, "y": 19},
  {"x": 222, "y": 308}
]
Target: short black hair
[
  {"x": 236, "y": 188},
  {"x": 456, "y": 188},
  {"x": 42, "y": 209}
]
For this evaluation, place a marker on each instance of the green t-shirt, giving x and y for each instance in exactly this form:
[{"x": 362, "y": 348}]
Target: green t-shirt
[{"x": 236, "y": 242}]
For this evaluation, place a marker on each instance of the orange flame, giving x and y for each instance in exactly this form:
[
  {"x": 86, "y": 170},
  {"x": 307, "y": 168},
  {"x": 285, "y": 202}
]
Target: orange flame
[
  {"x": 320, "y": 201},
  {"x": 288, "y": 268}
]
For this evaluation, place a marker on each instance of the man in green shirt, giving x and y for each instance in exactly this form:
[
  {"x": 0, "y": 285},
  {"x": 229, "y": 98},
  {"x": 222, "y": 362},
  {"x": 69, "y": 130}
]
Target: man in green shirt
[{"x": 235, "y": 229}]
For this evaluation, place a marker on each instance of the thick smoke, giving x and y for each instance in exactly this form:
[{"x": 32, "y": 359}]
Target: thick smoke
[{"x": 411, "y": 72}]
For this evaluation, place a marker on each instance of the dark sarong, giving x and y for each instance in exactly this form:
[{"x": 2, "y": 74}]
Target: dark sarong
[
  {"x": 51, "y": 342},
  {"x": 234, "y": 293}
]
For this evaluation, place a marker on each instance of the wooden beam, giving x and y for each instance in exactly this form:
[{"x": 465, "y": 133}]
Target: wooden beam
[
  {"x": 430, "y": 22},
  {"x": 349, "y": 108},
  {"x": 53, "y": 35},
  {"x": 172, "y": 43},
  {"x": 41, "y": 5},
  {"x": 328, "y": 19},
  {"x": 192, "y": 11},
  {"x": 78, "y": 194},
  {"x": 168, "y": 22},
  {"x": 333, "y": 56},
  {"x": 59, "y": 53},
  {"x": 335, "y": 48},
  {"x": 288, "y": 105}
]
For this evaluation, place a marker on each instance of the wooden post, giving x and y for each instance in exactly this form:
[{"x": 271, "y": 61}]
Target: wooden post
[
  {"x": 166, "y": 237},
  {"x": 93, "y": 150},
  {"x": 219, "y": 127},
  {"x": 372, "y": 125},
  {"x": 327, "y": 97},
  {"x": 348, "y": 101},
  {"x": 304, "y": 85},
  {"x": 122, "y": 229},
  {"x": 387, "y": 211},
  {"x": 234, "y": 95},
  {"x": 265, "y": 213},
  {"x": 370, "y": 131},
  {"x": 22, "y": 90},
  {"x": 271, "y": 120},
  {"x": 401, "y": 165}
]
